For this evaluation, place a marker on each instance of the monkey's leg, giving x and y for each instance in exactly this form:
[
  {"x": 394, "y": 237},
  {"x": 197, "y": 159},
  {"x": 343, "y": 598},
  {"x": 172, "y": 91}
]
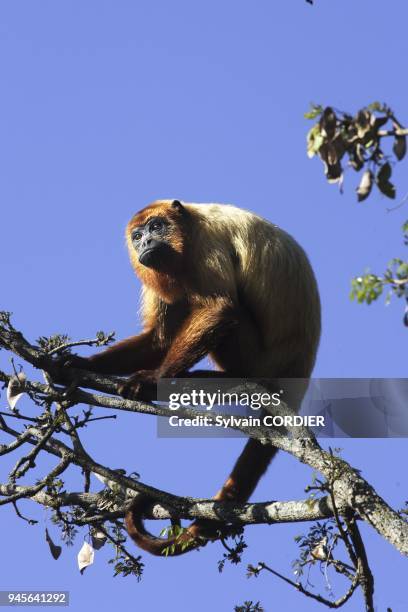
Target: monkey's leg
[
  {"x": 247, "y": 471},
  {"x": 250, "y": 465},
  {"x": 239, "y": 486},
  {"x": 242, "y": 481},
  {"x": 252, "y": 462}
]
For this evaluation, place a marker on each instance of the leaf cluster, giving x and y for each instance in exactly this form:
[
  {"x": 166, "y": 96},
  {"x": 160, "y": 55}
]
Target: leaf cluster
[
  {"x": 320, "y": 535},
  {"x": 51, "y": 343},
  {"x": 234, "y": 553},
  {"x": 337, "y": 137},
  {"x": 124, "y": 565},
  {"x": 368, "y": 287},
  {"x": 249, "y": 606}
]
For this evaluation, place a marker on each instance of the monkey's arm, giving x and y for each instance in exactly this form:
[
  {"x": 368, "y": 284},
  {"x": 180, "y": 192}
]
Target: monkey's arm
[
  {"x": 198, "y": 335},
  {"x": 125, "y": 357},
  {"x": 200, "y": 332}
]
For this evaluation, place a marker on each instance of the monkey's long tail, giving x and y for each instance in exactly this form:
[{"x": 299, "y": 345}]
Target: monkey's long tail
[{"x": 250, "y": 466}]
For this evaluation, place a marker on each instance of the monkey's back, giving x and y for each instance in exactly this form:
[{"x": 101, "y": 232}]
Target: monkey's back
[{"x": 268, "y": 274}]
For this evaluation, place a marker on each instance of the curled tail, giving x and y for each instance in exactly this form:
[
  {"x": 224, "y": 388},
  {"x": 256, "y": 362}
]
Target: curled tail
[
  {"x": 251, "y": 464},
  {"x": 172, "y": 546}
]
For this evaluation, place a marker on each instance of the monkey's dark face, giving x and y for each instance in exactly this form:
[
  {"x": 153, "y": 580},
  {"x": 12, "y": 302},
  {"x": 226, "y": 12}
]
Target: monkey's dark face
[{"x": 152, "y": 242}]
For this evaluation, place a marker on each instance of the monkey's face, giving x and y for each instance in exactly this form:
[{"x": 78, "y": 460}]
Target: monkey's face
[
  {"x": 156, "y": 238},
  {"x": 152, "y": 242}
]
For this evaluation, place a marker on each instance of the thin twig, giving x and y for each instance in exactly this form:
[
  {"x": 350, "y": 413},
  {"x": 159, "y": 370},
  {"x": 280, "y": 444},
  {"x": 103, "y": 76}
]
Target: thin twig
[
  {"x": 93, "y": 342},
  {"x": 366, "y": 577},
  {"x": 30, "y": 491},
  {"x": 299, "y": 587}
]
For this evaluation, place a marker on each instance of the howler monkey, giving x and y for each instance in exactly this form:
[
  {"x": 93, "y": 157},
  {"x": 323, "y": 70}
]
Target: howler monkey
[{"x": 219, "y": 281}]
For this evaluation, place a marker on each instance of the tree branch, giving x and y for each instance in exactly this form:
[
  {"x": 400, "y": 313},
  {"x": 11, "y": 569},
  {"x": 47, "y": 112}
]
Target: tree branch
[
  {"x": 349, "y": 488},
  {"x": 299, "y": 587}
]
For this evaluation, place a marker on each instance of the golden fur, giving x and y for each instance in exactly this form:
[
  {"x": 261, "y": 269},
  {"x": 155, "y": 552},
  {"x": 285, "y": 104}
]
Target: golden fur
[{"x": 235, "y": 287}]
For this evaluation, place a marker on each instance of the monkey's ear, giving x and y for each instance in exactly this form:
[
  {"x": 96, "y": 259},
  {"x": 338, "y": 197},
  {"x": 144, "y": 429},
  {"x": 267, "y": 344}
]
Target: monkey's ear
[{"x": 177, "y": 205}]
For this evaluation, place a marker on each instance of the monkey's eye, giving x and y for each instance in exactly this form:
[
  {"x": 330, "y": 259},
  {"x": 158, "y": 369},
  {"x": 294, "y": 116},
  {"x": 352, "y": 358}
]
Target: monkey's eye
[
  {"x": 156, "y": 226},
  {"x": 136, "y": 236}
]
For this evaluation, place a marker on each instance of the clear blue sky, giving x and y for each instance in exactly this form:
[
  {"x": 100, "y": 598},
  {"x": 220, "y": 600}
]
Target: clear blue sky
[{"x": 105, "y": 106}]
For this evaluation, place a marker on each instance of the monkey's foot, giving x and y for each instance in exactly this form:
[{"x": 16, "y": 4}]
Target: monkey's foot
[{"x": 210, "y": 531}]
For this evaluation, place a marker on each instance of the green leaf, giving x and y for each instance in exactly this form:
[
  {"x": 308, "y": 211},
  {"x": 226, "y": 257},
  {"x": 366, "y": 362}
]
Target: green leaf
[
  {"x": 377, "y": 106},
  {"x": 314, "y": 140},
  {"x": 402, "y": 270},
  {"x": 315, "y": 111},
  {"x": 366, "y": 288}
]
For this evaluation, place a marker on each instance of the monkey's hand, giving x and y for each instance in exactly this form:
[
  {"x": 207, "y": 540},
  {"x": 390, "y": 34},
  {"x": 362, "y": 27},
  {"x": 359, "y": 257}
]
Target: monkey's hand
[
  {"x": 65, "y": 361},
  {"x": 57, "y": 367},
  {"x": 142, "y": 386},
  {"x": 211, "y": 530}
]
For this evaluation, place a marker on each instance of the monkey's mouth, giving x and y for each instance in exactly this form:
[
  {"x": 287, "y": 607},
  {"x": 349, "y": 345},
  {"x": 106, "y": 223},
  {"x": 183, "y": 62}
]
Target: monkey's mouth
[
  {"x": 155, "y": 256},
  {"x": 147, "y": 251}
]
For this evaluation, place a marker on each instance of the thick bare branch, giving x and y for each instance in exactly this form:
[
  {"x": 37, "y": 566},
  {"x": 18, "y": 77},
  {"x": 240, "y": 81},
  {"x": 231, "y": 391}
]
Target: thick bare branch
[{"x": 239, "y": 514}]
